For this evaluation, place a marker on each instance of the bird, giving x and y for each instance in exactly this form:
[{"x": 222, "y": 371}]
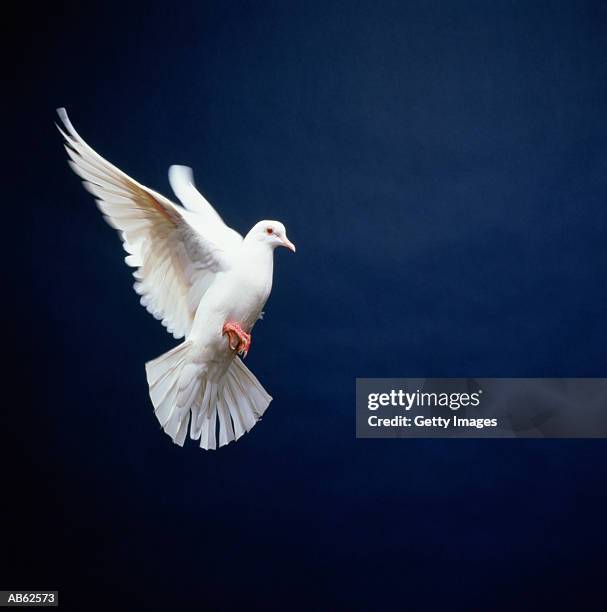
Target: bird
[{"x": 206, "y": 284}]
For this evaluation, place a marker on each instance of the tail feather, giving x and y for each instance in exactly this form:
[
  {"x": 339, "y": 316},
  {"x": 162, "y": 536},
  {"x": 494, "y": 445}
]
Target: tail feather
[
  {"x": 232, "y": 404},
  {"x": 179, "y": 437},
  {"x": 196, "y": 426},
  {"x": 207, "y": 432},
  {"x": 242, "y": 410},
  {"x": 226, "y": 430},
  {"x": 216, "y": 412},
  {"x": 163, "y": 378}
]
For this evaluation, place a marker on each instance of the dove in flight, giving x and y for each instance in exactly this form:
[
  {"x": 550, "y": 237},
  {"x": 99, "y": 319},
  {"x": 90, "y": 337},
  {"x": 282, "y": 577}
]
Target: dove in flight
[{"x": 203, "y": 280}]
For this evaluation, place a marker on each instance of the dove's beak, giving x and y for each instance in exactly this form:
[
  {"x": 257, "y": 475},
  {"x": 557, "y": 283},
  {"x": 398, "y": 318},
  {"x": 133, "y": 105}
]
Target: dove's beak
[{"x": 286, "y": 242}]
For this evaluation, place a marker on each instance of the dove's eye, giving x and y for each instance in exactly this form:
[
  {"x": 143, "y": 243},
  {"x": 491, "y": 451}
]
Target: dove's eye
[{"x": 269, "y": 231}]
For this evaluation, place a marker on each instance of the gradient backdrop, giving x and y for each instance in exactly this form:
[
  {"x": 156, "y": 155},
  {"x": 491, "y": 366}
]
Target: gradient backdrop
[{"x": 442, "y": 169}]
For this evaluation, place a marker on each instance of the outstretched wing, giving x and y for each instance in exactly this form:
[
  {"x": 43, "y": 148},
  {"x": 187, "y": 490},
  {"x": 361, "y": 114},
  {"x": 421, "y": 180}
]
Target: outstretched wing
[
  {"x": 199, "y": 211},
  {"x": 175, "y": 256}
]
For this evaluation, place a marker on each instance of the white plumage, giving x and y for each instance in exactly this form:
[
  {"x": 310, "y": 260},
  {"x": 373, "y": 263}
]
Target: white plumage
[{"x": 198, "y": 277}]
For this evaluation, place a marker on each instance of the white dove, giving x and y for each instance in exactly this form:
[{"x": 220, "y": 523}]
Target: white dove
[{"x": 203, "y": 281}]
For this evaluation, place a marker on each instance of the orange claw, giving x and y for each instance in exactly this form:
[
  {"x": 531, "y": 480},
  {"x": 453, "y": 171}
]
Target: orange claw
[{"x": 238, "y": 339}]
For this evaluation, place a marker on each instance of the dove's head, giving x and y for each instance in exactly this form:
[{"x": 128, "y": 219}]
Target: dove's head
[{"x": 272, "y": 233}]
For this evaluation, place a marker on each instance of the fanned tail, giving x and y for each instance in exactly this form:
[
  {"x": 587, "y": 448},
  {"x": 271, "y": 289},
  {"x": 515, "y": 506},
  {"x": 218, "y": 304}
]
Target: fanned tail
[{"x": 217, "y": 412}]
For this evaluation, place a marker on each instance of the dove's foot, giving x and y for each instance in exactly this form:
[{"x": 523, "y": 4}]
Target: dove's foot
[{"x": 238, "y": 339}]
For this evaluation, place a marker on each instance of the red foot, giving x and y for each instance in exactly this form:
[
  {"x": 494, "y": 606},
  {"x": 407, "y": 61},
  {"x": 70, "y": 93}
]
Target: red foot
[{"x": 238, "y": 339}]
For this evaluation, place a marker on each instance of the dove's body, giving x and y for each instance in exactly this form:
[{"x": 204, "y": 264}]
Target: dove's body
[
  {"x": 238, "y": 294},
  {"x": 203, "y": 280}
]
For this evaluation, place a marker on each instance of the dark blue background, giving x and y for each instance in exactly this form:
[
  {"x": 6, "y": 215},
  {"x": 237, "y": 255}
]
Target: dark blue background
[{"x": 442, "y": 168}]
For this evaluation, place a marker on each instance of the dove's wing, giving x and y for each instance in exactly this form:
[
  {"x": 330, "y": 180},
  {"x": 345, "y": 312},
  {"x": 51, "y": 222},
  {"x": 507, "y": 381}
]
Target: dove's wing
[
  {"x": 176, "y": 252},
  {"x": 204, "y": 217},
  {"x": 182, "y": 182}
]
